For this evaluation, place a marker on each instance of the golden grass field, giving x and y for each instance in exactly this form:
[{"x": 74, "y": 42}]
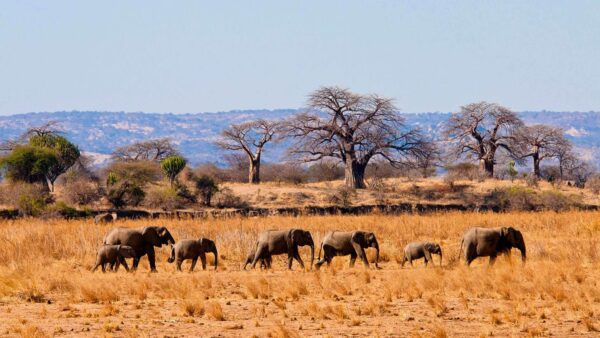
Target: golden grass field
[{"x": 46, "y": 288}]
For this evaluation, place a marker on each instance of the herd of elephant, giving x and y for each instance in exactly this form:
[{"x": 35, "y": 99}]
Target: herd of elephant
[{"x": 122, "y": 243}]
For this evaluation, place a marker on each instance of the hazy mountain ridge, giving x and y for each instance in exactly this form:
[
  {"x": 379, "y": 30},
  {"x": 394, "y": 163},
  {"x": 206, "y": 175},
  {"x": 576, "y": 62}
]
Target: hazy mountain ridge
[{"x": 102, "y": 132}]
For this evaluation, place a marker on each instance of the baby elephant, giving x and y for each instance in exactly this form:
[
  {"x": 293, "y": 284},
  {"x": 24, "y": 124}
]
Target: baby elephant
[
  {"x": 418, "y": 250},
  {"x": 192, "y": 249},
  {"x": 264, "y": 263},
  {"x": 113, "y": 255},
  {"x": 105, "y": 218},
  {"x": 352, "y": 243}
]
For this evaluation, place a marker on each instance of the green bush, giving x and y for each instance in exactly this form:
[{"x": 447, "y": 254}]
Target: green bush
[{"x": 164, "y": 198}]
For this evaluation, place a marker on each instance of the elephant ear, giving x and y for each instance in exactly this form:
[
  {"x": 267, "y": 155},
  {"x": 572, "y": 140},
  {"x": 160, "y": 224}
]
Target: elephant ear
[
  {"x": 151, "y": 236},
  {"x": 429, "y": 247},
  {"x": 294, "y": 236},
  {"x": 359, "y": 237}
]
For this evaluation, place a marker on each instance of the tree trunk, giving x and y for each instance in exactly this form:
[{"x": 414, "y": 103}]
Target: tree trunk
[
  {"x": 254, "y": 171},
  {"x": 486, "y": 166},
  {"x": 536, "y": 165},
  {"x": 355, "y": 175}
]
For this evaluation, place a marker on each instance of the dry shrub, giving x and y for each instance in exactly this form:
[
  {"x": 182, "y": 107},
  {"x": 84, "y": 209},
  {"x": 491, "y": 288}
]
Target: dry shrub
[
  {"x": 31, "y": 331},
  {"x": 193, "y": 308},
  {"x": 164, "y": 198},
  {"x": 281, "y": 331},
  {"x": 98, "y": 294},
  {"x": 214, "y": 311},
  {"x": 226, "y": 198},
  {"x": 81, "y": 192}
]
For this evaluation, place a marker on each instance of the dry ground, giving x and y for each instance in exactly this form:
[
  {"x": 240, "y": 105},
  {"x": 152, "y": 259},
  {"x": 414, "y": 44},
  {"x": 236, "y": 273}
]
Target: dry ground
[
  {"x": 46, "y": 288},
  {"x": 391, "y": 191}
]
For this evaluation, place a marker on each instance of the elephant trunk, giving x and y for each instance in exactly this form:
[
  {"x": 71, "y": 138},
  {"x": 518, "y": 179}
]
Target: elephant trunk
[
  {"x": 376, "y": 246},
  {"x": 172, "y": 257},
  {"x": 214, "y": 251},
  {"x": 523, "y": 252}
]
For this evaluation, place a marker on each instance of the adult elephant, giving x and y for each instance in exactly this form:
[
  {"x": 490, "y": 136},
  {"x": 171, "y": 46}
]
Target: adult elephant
[
  {"x": 489, "y": 242},
  {"x": 278, "y": 242},
  {"x": 142, "y": 241},
  {"x": 353, "y": 243}
]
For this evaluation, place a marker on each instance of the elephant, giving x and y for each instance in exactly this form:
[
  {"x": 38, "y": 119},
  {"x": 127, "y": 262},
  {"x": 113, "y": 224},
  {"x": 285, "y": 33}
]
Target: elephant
[
  {"x": 192, "y": 249},
  {"x": 105, "y": 218},
  {"x": 142, "y": 241},
  {"x": 277, "y": 242},
  {"x": 418, "y": 250},
  {"x": 250, "y": 258},
  {"x": 489, "y": 242},
  {"x": 111, "y": 255},
  {"x": 353, "y": 243}
]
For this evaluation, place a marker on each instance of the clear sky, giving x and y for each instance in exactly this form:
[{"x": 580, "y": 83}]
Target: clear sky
[{"x": 195, "y": 56}]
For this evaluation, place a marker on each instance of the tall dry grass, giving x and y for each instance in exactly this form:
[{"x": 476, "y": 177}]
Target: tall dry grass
[{"x": 46, "y": 264}]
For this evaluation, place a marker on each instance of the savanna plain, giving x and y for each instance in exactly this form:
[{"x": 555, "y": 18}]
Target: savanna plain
[{"x": 47, "y": 289}]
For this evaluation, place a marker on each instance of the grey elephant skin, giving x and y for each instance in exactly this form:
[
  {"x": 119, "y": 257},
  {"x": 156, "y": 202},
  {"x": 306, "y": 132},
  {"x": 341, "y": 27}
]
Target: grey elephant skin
[
  {"x": 418, "y": 250},
  {"x": 279, "y": 242},
  {"x": 111, "y": 255},
  {"x": 490, "y": 242},
  {"x": 105, "y": 218},
  {"x": 250, "y": 258},
  {"x": 192, "y": 249},
  {"x": 142, "y": 241},
  {"x": 353, "y": 243}
]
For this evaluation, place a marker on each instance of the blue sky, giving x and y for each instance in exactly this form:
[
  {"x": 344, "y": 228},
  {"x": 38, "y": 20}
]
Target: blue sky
[{"x": 194, "y": 56}]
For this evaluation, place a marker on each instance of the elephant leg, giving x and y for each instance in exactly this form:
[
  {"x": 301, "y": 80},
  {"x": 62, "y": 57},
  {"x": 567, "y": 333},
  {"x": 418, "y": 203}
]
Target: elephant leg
[
  {"x": 194, "y": 264},
  {"x": 95, "y": 267},
  {"x": 112, "y": 266},
  {"x": 298, "y": 258},
  {"x": 260, "y": 253},
  {"x": 103, "y": 267},
  {"x": 136, "y": 262},
  {"x": 492, "y": 260},
  {"x": 352, "y": 259},
  {"x": 326, "y": 257},
  {"x": 268, "y": 260},
  {"x": 203, "y": 260},
  {"x": 178, "y": 263},
  {"x": 123, "y": 262},
  {"x": 152, "y": 260}
]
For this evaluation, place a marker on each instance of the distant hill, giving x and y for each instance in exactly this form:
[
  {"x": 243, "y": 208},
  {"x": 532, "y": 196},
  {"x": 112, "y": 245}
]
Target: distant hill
[{"x": 99, "y": 133}]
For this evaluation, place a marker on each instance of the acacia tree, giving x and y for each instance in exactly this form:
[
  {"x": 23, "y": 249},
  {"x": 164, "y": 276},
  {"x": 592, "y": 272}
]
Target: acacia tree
[
  {"x": 354, "y": 129},
  {"x": 150, "y": 150},
  {"x": 540, "y": 142},
  {"x": 250, "y": 138},
  {"x": 479, "y": 130},
  {"x": 40, "y": 154}
]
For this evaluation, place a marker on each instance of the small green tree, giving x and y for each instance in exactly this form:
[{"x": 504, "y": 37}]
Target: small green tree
[
  {"x": 512, "y": 171},
  {"x": 28, "y": 164},
  {"x": 172, "y": 166},
  {"x": 206, "y": 187},
  {"x": 66, "y": 154}
]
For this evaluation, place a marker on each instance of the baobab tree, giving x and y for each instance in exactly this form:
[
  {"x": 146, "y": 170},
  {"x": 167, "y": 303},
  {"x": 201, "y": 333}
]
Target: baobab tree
[
  {"x": 250, "y": 138},
  {"x": 479, "y": 130},
  {"x": 354, "y": 129},
  {"x": 539, "y": 142}
]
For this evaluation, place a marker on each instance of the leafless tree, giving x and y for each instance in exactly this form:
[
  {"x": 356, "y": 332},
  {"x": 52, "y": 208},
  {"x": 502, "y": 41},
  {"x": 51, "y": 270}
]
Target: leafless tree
[
  {"x": 150, "y": 150},
  {"x": 48, "y": 128},
  {"x": 353, "y": 129},
  {"x": 250, "y": 138},
  {"x": 479, "y": 130},
  {"x": 539, "y": 142}
]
